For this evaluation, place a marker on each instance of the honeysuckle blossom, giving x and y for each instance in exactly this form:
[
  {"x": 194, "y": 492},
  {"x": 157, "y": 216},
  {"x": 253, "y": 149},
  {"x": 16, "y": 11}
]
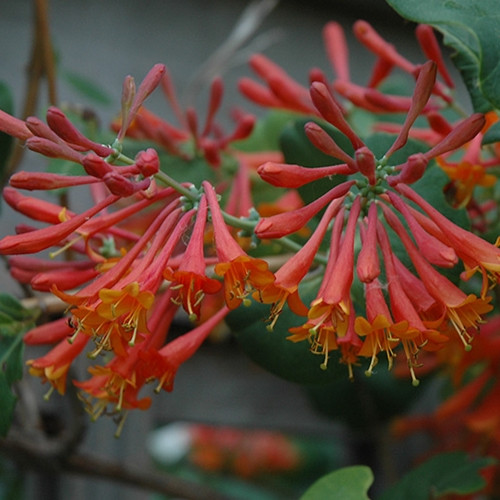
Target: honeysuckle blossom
[
  {"x": 192, "y": 222},
  {"x": 242, "y": 274}
]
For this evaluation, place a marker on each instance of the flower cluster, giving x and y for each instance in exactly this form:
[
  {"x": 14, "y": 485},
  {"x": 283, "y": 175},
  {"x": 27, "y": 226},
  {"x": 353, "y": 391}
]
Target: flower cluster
[{"x": 152, "y": 245}]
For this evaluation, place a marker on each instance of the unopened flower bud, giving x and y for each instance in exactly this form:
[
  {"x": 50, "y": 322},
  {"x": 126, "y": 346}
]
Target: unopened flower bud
[
  {"x": 277, "y": 226},
  {"x": 294, "y": 176},
  {"x": 60, "y": 124},
  {"x": 148, "y": 162},
  {"x": 332, "y": 112},
  {"x": 52, "y": 149},
  {"x": 121, "y": 186},
  {"x": 95, "y": 166},
  {"x": 365, "y": 160},
  {"x": 411, "y": 171},
  {"x": 326, "y": 144},
  {"x": 461, "y": 133}
]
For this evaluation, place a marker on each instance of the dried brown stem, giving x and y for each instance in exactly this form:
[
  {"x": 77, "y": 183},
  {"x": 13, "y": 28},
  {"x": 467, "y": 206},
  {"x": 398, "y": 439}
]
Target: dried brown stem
[{"x": 41, "y": 64}]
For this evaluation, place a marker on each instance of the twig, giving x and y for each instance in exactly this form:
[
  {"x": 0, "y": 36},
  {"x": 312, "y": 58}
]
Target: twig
[
  {"x": 36, "y": 455},
  {"x": 41, "y": 64}
]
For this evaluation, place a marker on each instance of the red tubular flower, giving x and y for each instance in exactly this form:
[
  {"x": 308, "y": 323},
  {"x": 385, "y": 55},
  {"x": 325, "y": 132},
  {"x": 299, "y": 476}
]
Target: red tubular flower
[
  {"x": 283, "y": 224},
  {"x": 365, "y": 161},
  {"x": 411, "y": 171},
  {"x": 332, "y": 112},
  {"x": 46, "y": 180},
  {"x": 54, "y": 366},
  {"x": 325, "y": 143},
  {"x": 435, "y": 251},
  {"x": 189, "y": 279},
  {"x": 242, "y": 274},
  {"x": 423, "y": 88},
  {"x": 60, "y": 124},
  {"x": 462, "y": 311},
  {"x": 476, "y": 253},
  {"x": 49, "y": 333},
  {"x": 182, "y": 348},
  {"x": 288, "y": 277},
  {"x": 41, "y": 239},
  {"x": 136, "y": 99},
  {"x": 416, "y": 335},
  {"x": 34, "y": 208},
  {"x": 336, "y": 49},
  {"x": 295, "y": 176},
  {"x": 367, "y": 264},
  {"x": 329, "y": 321},
  {"x": 14, "y": 127},
  {"x": 378, "y": 329},
  {"x": 430, "y": 46}
]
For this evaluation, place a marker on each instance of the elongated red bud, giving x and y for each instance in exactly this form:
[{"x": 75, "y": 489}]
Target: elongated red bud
[
  {"x": 295, "y": 176},
  {"x": 421, "y": 94},
  {"x": 411, "y": 171},
  {"x": 332, "y": 113},
  {"x": 337, "y": 49},
  {"x": 128, "y": 95},
  {"x": 258, "y": 93},
  {"x": 216, "y": 93},
  {"x": 374, "y": 42},
  {"x": 61, "y": 125},
  {"x": 430, "y": 46},
  {"x": 14, "y": 126},
  {"x": 365, "y": 160},
  {"x": 326, "y": 144},
  {"x": 49, "y": 333},
  {"x": 121, "y": 186},
  {"x": 277, "y": 226},
  {"x": 95, "y": 166},
  {"x": 462, "y": 133},
  {"x": 34, "y": 208},
  {"x": 368, "y": 265},
  {"x": 53, "y": 149},
  {"x": 46, "y": 180},
  {"x": 150, "y": 82},
  {"x": 439, "y": 123}
]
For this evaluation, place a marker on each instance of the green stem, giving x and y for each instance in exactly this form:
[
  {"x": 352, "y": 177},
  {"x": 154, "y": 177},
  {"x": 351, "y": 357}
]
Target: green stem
[
  {"x": 245, "y": 224},
  {"x": 167, "y": 180}
]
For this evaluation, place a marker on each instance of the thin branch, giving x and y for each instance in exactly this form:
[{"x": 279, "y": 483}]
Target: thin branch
[
  {"x": 37, "y": 455},
  {"x": 41, "y": 64}
]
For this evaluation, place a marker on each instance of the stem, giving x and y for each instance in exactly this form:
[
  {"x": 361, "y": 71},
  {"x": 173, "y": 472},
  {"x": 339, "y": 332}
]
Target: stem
[
  {"x": 167, "y": 180},
  {"x": 41, "y": 64}
]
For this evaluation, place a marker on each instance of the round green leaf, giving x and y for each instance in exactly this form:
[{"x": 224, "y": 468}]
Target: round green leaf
[{"x": 348, "y": 483}]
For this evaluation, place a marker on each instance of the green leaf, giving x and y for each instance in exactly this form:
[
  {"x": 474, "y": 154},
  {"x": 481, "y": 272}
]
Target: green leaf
[
  {"x": 348, "y": 483},
  {"x": 15, "y": 320},
  {"x": 472, "y": 29},
  {"x": 492, "y": 135},
  {"x": 444, "y": 474},
  {"x": 87, "y": 88}
]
